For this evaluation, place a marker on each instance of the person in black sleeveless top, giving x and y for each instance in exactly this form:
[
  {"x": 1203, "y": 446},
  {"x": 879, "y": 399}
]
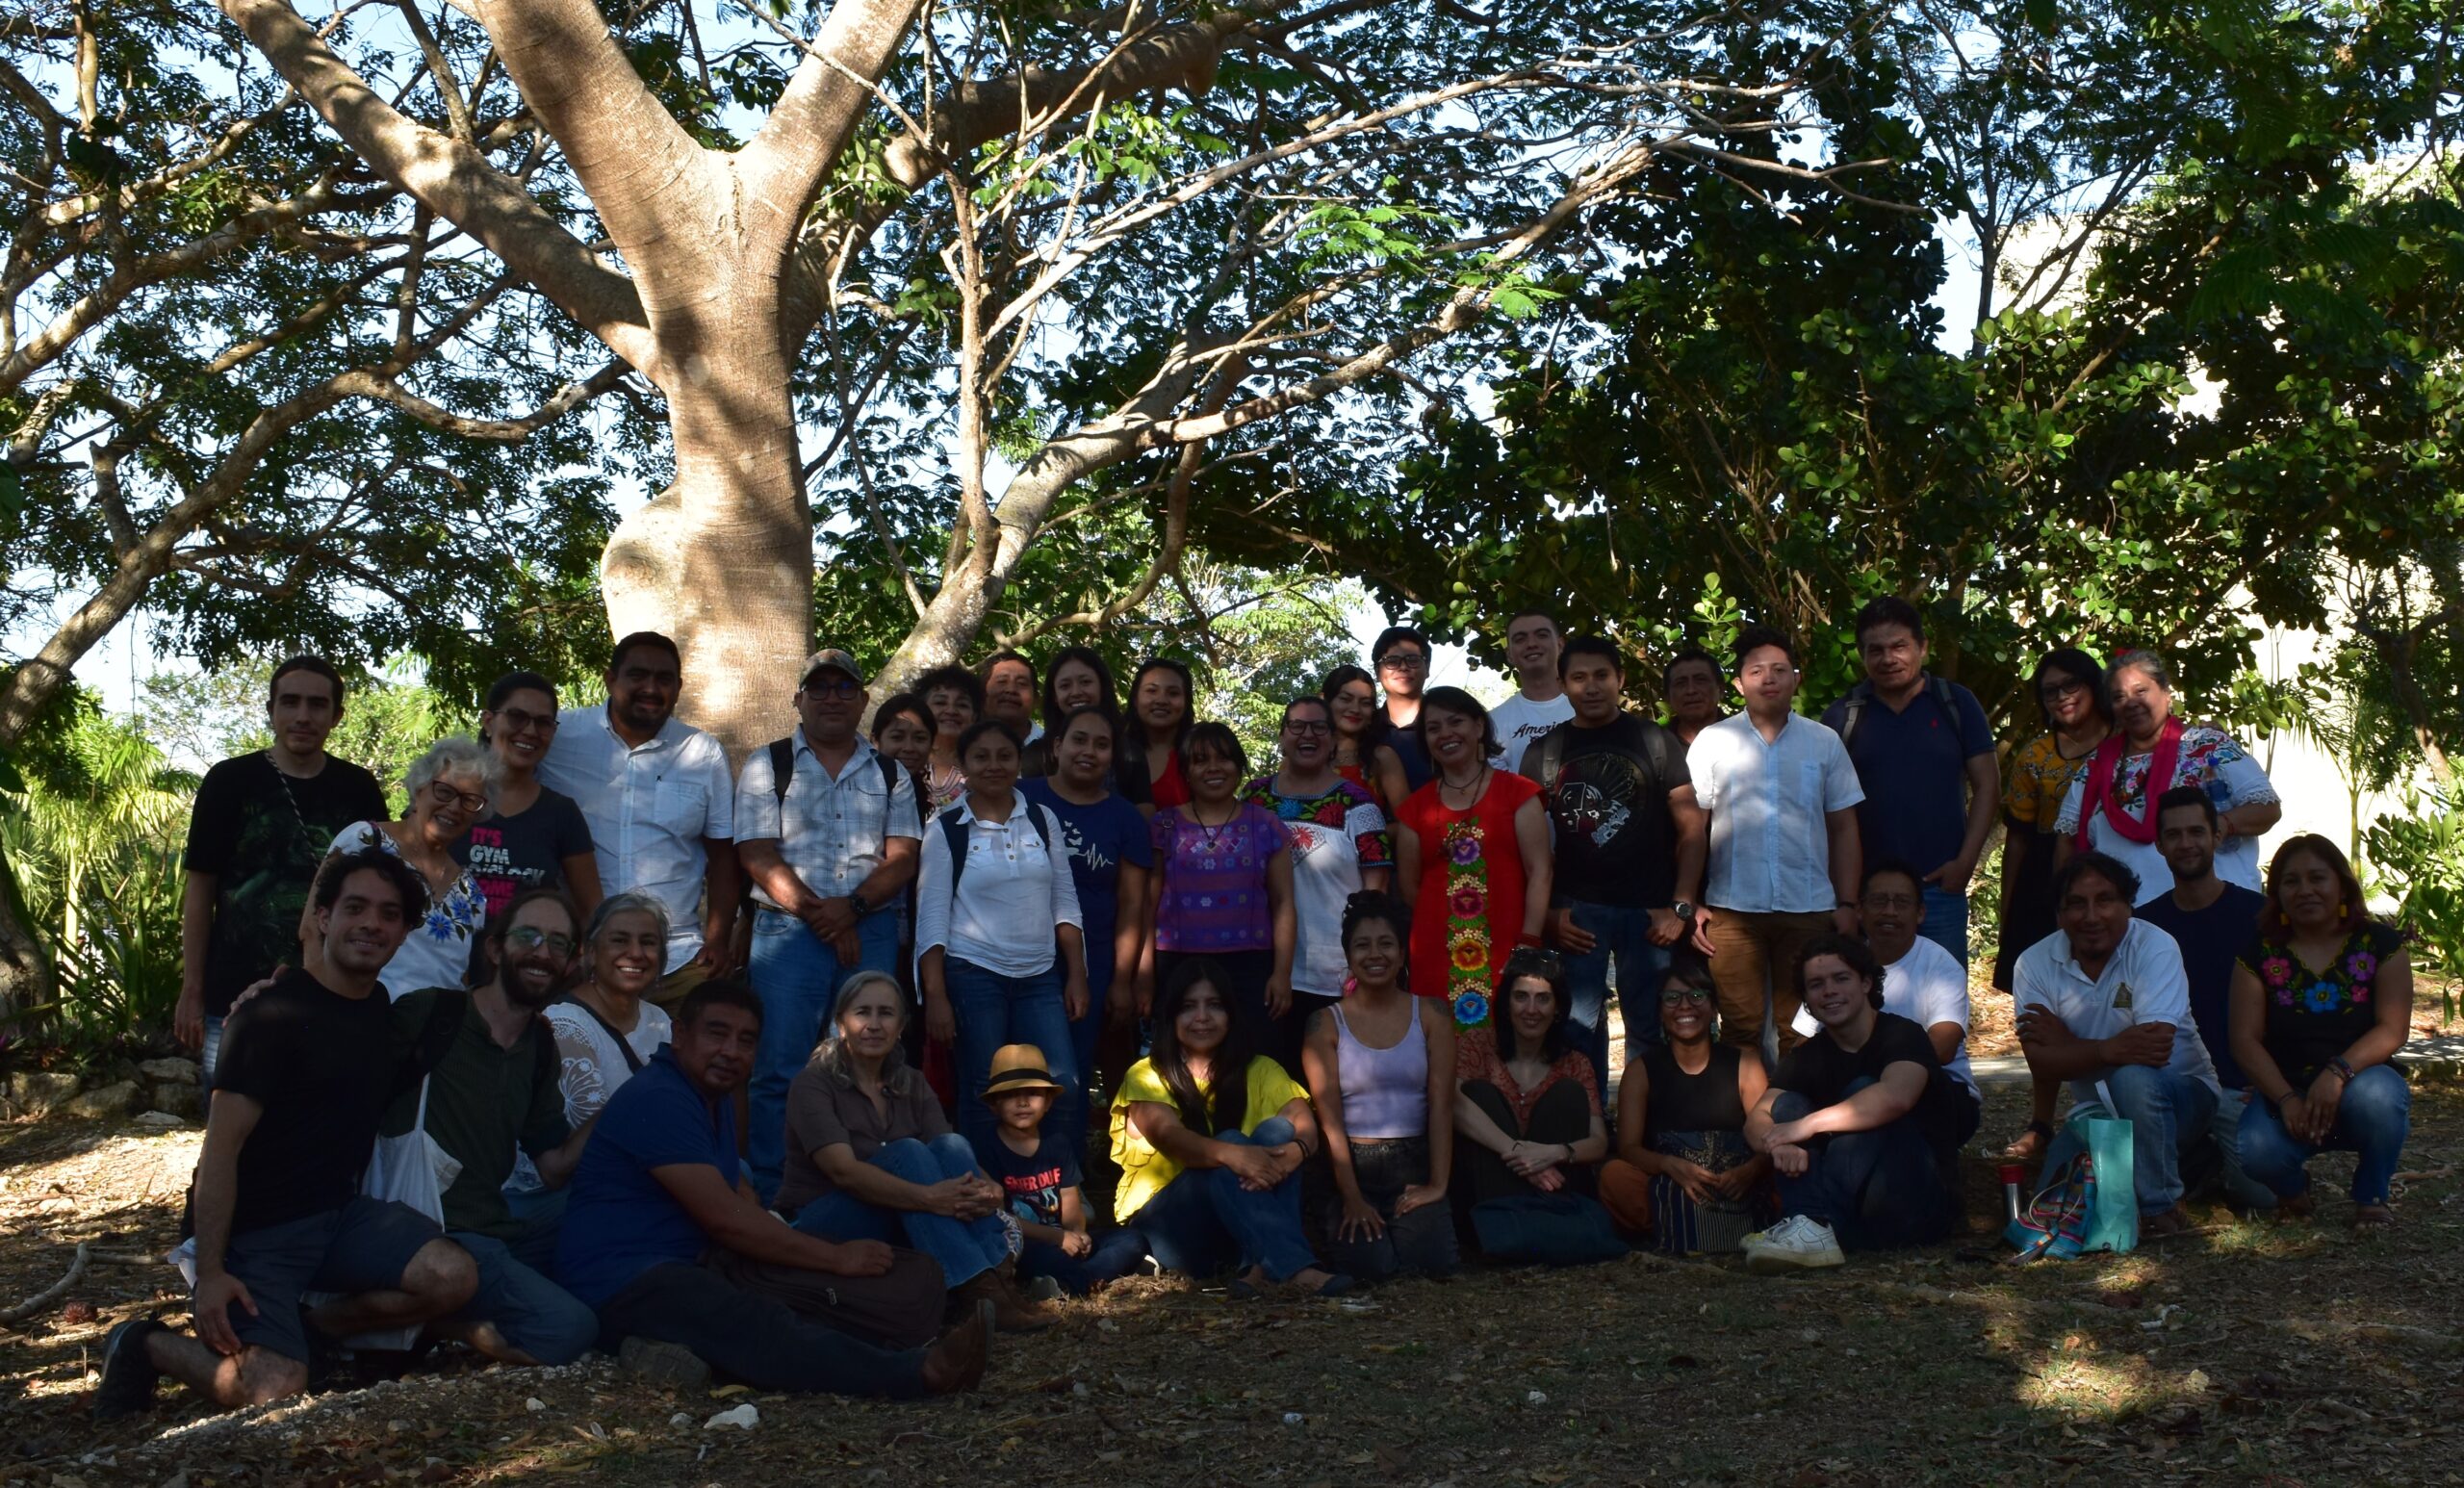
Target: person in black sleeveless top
[{"x": 1683, "y": 1172}]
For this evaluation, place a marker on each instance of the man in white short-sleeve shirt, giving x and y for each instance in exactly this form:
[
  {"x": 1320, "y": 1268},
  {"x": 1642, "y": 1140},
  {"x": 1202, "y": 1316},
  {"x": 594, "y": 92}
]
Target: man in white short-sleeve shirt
[
  {"x": 660, "y": 805},
  {"x": 1540, "y": 703},
  {"x": 2104, "y": 1000},
  {"x": 1784, "y": 851}
]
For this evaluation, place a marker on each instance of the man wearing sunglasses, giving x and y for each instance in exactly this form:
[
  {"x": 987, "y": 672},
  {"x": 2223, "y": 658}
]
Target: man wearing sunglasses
[
  {"x": 492, "y": 1091},
  {"x": 828, "y": 832}
]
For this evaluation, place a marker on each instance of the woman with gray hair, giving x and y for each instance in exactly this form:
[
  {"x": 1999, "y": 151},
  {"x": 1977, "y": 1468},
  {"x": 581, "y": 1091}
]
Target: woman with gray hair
[
  {"x": 607, "y": 1028},
  {"x": 450, "y": 786},
  {"x": 871, "y": 1156},
  {"x": 2112, "y": 808}
]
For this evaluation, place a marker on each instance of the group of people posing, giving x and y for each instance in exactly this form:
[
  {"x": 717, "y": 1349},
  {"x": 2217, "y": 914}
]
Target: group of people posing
[{"x": 790, "y": 1072}]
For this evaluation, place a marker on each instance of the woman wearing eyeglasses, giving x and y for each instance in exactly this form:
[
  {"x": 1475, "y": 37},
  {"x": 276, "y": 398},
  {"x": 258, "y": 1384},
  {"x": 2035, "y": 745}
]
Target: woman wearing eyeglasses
[
  {"x": 1683, "y": 1172},
  {"x": 536, "y": 838},
  {"x": 449, "y": 787}
]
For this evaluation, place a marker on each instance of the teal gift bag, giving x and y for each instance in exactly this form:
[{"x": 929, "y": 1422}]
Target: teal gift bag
[{"x": 2088, "y": 1198}]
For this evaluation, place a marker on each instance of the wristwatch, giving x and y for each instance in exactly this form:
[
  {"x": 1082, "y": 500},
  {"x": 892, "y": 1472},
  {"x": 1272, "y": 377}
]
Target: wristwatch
[
  {"x": 858, "y": 904},
  {"x": 1685, "y": 909}
]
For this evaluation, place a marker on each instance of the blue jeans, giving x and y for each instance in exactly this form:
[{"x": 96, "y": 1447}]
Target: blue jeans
[
  {"x": 1946, "y": 921},
  {"x": 965, "y": 1248},
  {"x": 533, "y": 1313},
  {"x": 1204, "y": 1221},
  {"x": 1878, "y": 1190},
  {"x": 2373, "y": 1118},
  {"x": 1116, "y": 1253},
  {"x": 1622, "y": 936},
  {"x": 2169, "y": 1115},
  {"x": 212, "y": 1053},
  {"x": 797, "y": 975},
  {"x": 993, "y": 1009}
]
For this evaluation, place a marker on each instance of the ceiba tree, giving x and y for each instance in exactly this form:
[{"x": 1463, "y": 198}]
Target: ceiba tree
[{"x": 992, "y": 155}]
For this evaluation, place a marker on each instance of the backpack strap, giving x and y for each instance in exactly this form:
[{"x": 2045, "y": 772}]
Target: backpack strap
[
  {"x": 782, "y": 771},
  {"x": 1857, "y": 697},
  {"x": 954, "y": 830},
  {"x": 1655, "y": 745}
]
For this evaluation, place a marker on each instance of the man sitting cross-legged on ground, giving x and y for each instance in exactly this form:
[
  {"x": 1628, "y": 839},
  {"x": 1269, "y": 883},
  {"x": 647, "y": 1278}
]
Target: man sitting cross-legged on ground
[
  {"x": 492, "y": 1090},
  {"x": 1860, "y": 1122},
  {"x": 665, "y": 1238},
  {"x": 2104, "y": 1000},
  {"x": 307, "y": 1069}
]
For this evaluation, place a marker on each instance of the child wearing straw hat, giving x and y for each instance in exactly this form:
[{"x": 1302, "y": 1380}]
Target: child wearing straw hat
[{"x": 1040, "y": 1174}]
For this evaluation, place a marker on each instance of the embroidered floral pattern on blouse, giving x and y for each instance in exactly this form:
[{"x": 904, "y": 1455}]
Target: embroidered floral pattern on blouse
[{"x": 1467, "y": 923}]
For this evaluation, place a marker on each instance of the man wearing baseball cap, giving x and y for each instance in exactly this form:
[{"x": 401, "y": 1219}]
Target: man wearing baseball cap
[{"x": 827, "y": 830}]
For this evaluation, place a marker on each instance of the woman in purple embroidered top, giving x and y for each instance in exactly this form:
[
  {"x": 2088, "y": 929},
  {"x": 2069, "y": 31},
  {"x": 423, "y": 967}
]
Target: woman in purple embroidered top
[{"x": 1222, "y": 889}]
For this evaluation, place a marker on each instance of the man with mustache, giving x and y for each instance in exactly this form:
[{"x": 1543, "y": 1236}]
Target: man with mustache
[
  {"x": 492, "y": 1089},
  {"x": 660, "y": 805},
  {"x": 689, "y": 1273}
]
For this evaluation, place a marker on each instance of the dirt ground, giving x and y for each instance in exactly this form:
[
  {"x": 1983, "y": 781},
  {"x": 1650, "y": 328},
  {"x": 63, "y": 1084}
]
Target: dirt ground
[{"x": 2283, "y": 1355}]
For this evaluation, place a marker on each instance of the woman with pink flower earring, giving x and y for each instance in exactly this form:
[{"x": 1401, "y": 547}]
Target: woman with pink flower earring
[
  {"x": 1471, "y": 852},
  {"x": 2321, "y": 1001}
]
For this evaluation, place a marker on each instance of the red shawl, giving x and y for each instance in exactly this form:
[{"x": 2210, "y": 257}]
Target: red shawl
[{"x": 2099, "y": 795}]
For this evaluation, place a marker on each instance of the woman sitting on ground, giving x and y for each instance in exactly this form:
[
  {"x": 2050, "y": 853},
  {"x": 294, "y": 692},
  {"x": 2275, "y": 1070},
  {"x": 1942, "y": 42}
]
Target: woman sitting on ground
[
  {"x": 447, "y": 789},
  {"x": 1379, "y": 1062},
  {"x": 1682, "y": 1171},
  {"x": 870, "y": 1156},
  {"x": 1201, "y": 1201},
  {"x": 1524, "y": 1098},
  {"x": 2321, "y": 1003}
]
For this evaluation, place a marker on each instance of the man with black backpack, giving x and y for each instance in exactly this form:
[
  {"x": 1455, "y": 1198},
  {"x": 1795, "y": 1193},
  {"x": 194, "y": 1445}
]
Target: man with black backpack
[
  {"x": 827, "y": 830},
  {"x": 1629, "y": 843},
  {"x": 1924, "y": 757}
]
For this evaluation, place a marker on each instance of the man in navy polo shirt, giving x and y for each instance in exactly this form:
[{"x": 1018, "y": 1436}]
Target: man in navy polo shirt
[
  {"x": 1924, "y": 755},
  {"x": 664, "y": 1238}
]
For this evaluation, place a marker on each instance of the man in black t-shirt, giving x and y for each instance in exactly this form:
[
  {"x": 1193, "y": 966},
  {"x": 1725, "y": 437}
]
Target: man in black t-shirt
[
  {"x": 261, "y": 824},
  {"x": 2212, "y": 921},
  {"x": 276, "y": 1201},
  {"x": 1630, "y": 844},
  {"x": 1861, "y": 1124}
]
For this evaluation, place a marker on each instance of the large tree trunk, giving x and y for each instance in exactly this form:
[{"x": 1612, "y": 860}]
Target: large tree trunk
[
  {"x": 722, "y": 559},
  {"x": 26, "y": 979}
]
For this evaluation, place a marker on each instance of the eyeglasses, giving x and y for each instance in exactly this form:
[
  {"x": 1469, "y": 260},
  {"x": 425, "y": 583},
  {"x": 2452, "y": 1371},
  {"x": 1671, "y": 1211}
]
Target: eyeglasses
[
  {"x": 1401, "y": 661},
  {"x": 523, "y": 721},
  {"x": 1306, "y": 730},
  {"x": 2069, "y": 686},
  {"x": 1893, "y": 900},
  {"x": 1678, "y": 997},
  {"x": 529, "y": 937},
  {"x": 843, "y": 687},
  {"x": 446, "y": 795}
]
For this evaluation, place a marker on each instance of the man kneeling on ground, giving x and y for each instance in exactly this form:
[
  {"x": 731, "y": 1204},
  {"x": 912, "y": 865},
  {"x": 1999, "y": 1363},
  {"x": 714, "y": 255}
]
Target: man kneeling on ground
[
  {"x": 664, "y": 1237},
  {"x": 492, "y": 1089},
  {"x": 307, "y": 1069},
  {"x": 1861, "y": 1123}
]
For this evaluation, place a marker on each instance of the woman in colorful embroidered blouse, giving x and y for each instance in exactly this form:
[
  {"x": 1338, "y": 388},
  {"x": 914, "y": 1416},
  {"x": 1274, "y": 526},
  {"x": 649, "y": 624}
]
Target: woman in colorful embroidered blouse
[
  {"x": 447, "y": 789},
  {"x": 1222, "y": 889},
  {"x": 2070, "y": 688},
  {"x": 1472, "y": 853},
  {"x": 2112, "y": 809},
  {"x": 1525, "y": 1103},
  {"x": 2321, "y": 1001}
]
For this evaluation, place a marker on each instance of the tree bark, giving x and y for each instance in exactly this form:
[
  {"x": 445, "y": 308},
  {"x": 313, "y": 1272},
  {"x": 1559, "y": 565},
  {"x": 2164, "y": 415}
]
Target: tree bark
[{"x": 26, "y": 979}]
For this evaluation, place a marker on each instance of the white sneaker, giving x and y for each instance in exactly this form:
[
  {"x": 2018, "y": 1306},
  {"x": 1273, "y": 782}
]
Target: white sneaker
[{"x": 1796, "y": 1244}]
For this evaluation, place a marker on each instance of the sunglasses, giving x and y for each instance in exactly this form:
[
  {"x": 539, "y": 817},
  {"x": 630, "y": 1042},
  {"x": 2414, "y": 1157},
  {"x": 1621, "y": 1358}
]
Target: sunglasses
[{"x": 529, "y": 937}]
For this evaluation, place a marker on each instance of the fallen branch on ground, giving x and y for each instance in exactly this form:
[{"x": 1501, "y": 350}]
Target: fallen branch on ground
[{"x": 40, "y": 1303}]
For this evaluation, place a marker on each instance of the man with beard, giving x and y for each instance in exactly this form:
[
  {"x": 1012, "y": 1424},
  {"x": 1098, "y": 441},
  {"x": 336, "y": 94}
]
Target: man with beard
[
  {"x": 1339, "y": 847},
  {"x": 492, "y": 1086},
  {"x": 2212, "y": 921},
  {"x": 308, "y": 1068},
  {"x": 1629, "y": 848},
  {"x": 691, "y": 1274},
  {"x": 660, "y": 805},
  {"x": 2104, "y": 1000}
]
